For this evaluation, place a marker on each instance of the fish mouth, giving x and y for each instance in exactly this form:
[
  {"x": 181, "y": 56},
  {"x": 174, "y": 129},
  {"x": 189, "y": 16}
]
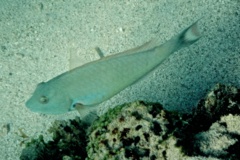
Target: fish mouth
[
  {"x": 33, "y": 107},
  {"x": 30, "y": 106}
]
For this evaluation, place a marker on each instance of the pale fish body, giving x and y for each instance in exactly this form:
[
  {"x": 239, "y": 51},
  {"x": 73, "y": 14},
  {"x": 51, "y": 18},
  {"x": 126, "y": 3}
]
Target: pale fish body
[{"x": 98, "y": 81}]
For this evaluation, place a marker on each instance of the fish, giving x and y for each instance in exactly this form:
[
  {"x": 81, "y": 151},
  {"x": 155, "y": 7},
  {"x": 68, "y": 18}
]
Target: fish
[{"x": 86, "y": 86}]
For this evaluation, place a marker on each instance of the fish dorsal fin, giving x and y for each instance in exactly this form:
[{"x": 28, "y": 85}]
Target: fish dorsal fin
[
  {"x": 73, "y": 62},
  {"x": 146, "y": 46},
  {"x": 99, "y": 51},
  {"x": 74, "y": 59}
]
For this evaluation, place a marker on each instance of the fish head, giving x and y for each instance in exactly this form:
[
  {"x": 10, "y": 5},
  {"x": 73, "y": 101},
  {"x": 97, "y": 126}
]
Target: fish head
[{"x": 48, "y": 100}]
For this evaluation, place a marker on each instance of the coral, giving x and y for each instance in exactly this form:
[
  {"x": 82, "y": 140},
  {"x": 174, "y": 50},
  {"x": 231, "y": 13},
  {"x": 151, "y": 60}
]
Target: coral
[
  {"x": 141, "y": 130},
  {"x": 69, "y": 141},
  {"x": 214, "y": 127},
  {"x": 136, "y": 130}
]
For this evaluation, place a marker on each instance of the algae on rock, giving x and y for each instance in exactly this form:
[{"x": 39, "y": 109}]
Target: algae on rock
[
  {"x": 69, "y": 140},
  {"x": 136, "y": 130},
  {"x": 141, "y": 130}
]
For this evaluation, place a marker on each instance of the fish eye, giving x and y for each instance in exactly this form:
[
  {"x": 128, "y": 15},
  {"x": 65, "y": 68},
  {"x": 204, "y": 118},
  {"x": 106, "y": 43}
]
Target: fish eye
[{"x": 43, "y": 100}]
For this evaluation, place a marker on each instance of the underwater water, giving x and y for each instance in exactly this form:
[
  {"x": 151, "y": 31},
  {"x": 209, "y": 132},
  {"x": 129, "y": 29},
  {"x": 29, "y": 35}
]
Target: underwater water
[{"x": 37, "y": 39}]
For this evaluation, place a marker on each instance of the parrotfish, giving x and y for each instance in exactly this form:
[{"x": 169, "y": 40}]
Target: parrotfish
[{"x": 86, "y": 86}]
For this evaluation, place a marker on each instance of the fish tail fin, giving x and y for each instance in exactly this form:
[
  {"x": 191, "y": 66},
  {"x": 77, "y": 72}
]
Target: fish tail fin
[{"x": 189, "y": 35}]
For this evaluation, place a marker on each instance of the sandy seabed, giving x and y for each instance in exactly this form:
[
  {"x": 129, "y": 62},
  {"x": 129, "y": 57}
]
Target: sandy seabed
[{"x": 38, "y": 37}]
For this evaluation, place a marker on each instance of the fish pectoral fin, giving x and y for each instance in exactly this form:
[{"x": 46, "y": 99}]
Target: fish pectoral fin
[
  {"x": 82, "y": 110},
  {"x": 90, "y": 117},
  {"x": 87, "y": 113}
]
